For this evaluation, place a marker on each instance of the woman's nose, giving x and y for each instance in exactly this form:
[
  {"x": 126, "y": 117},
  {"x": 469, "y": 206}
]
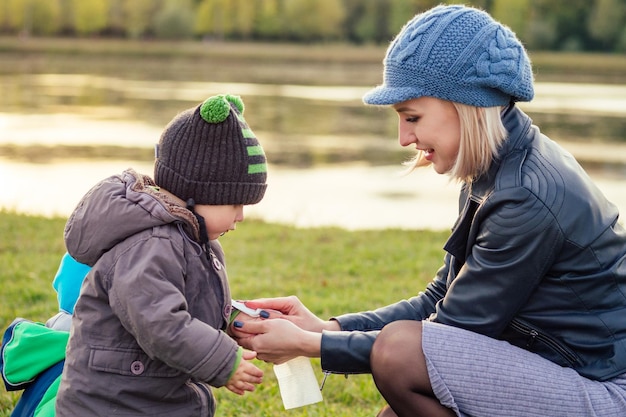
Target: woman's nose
[{"x": 406, "y": 137}]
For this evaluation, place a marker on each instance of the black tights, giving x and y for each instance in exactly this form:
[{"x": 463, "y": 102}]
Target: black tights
[{"x": 399, "y": 371}]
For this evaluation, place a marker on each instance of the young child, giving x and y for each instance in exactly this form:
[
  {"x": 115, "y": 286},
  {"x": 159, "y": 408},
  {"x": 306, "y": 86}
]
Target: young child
[{"x": 148, "y": 331}]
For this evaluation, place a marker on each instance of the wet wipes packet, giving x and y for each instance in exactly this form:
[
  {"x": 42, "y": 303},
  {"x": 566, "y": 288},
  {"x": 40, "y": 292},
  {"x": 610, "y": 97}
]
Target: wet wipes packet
[{"x": 297, "y": 383}]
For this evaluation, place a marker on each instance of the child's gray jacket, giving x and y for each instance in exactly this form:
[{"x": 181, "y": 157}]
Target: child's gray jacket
[{"x": 148, "y": 330}]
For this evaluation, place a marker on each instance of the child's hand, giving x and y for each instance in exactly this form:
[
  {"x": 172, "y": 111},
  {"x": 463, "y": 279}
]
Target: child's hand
[{"x": 246, "y": 376}]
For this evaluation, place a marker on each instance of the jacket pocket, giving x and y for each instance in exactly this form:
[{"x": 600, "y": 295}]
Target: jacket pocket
[
  {"x": 128, "y": 362},
  {"x": 204, "y": 396},
  {"x": 538, "y": 342}
]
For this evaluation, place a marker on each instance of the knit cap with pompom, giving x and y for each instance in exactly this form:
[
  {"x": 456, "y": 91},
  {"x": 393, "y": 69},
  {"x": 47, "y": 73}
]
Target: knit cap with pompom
[{"x": 209, "y": 154}]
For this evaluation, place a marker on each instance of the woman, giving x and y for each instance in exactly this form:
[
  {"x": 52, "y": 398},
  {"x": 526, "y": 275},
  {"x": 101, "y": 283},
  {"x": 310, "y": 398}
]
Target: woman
[{"x": 526, "y": 316}]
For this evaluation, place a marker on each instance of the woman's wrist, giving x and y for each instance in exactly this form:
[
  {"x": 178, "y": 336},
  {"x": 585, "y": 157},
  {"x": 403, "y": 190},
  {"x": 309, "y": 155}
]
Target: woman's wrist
[
  {"x": 311, "y": 344},
  {"x": 332, "y": 325}
]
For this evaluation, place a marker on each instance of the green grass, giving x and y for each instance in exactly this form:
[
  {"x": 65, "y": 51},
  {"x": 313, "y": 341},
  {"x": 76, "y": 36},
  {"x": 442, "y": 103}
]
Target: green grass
[{"x": 332, "y": 270}]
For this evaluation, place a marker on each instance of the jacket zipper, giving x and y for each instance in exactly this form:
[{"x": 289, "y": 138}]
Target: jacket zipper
[
  {"x": 535, "y": 335},
  {"x": 326, "y": 373}
]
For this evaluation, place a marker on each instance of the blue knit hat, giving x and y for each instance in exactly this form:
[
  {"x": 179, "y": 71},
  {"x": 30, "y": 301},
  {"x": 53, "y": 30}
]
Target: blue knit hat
[{"x": 455, "y": 53}]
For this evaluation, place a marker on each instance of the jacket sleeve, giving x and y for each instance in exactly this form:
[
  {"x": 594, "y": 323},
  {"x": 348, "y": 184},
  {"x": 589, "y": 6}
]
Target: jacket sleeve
[
  {"x": 348, "y": 351},
  {"x": 147, "y": 295},
  {"x": 28, "y": 350}
]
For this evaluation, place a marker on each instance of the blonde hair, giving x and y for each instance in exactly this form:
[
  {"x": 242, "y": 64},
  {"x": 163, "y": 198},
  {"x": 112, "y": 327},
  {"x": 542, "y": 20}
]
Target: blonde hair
[{"x": 482, "y": 134}]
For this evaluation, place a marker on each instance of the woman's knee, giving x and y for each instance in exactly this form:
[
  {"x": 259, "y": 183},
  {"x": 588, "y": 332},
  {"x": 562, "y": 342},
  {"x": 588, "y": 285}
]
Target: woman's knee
[
  {"x": 400, "y": 372},
  {"x": 396, "y": 346}
]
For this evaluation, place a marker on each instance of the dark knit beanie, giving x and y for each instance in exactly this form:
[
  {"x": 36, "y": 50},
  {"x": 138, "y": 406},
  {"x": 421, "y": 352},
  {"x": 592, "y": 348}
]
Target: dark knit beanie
[
  {"x": 455, "y": 53},
  {"x": 209, "y": 153}
]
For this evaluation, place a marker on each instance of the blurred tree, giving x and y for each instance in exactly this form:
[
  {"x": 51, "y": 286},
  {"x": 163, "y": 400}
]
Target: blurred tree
[
  {"x": 45, "y": 17},
  {"x": 116, "y": 19},
  {"x": 566, "y": 18},
  {"x": 354, "y": 13},
  {"x": 480, "y": 4},
  {"x": 401, "y": 11},
  {"x": 314, "y": 19},
  {"x": 375, "y": 20},
  {"x": 540, "y": 33},
  {"x": 12, "y": 14},
  {"x": 366, "y": 25},
  {"x": 620, "y": 46},
  {"x": 4, "y": 12},
  {"x": 245, "y": 13},
  {"x": 67, "y": 17},
  {"x": 589, "y": 25},
  {"x": 175, "y": 20},
  {"x": 137, "y": 16},
  {"x": 209, "y": 19},
  {"x": 90, "y": 17},
  {"x": 36, "y": 17},
  {"x": 607, "y": 23},
  {"x": 268, "y": 22},
  {"x": 513, "y": 13},
  {"x": 225, "y": 18}
]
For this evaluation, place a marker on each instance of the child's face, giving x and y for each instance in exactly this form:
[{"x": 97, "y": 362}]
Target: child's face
[
  {"x": 433, "y": 126},
  {"x": 220, "y": 219}
]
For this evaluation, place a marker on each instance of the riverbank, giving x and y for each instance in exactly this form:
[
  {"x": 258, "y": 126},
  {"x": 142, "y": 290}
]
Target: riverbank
[
  {"x": 349, "y": 196},
  {"x": 305, "y": 61}
]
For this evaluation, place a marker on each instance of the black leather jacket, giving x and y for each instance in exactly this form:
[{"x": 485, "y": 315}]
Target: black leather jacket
[{"x": 537, "y": 258}]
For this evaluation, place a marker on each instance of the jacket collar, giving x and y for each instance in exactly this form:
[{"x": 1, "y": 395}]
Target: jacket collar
[{"x": 517, "y": 124}]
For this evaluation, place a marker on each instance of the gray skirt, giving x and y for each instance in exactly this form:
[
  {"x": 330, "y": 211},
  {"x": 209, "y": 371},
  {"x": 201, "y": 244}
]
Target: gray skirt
[{"x": 479, "y": 376}]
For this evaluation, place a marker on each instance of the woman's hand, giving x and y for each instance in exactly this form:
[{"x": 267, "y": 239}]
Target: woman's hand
[
  {"x": 278, "y": 340},
  {"x": 233, "y": 332},
  {"x": 291, "y": 309}
]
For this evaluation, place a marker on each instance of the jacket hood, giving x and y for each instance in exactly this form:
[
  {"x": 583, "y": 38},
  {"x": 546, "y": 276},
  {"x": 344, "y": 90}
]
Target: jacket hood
[
  {"x": 118, "y": 207},
  {"x": 67, "y": 282}
]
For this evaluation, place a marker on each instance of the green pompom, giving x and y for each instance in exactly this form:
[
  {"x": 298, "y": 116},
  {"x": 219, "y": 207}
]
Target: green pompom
[
  {"x": 215, "y": 109},
  {"x": 236, "y": 100}
]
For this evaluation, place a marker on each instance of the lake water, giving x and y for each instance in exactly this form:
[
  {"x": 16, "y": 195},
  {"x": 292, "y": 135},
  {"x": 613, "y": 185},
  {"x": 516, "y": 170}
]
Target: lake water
[{"x": 333, "y": 161}]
